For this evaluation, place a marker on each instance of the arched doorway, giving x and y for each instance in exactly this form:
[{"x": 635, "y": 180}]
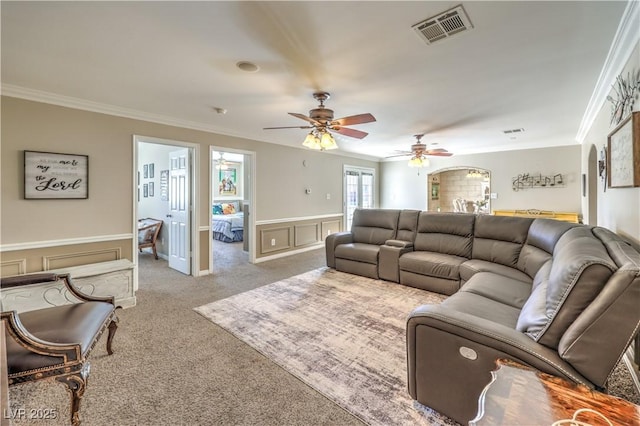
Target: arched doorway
[{"x": 460, "y": 189}]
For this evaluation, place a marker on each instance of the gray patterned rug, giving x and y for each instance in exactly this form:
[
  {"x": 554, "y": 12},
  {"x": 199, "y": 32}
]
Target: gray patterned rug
[{"x": 342, "y": 334}]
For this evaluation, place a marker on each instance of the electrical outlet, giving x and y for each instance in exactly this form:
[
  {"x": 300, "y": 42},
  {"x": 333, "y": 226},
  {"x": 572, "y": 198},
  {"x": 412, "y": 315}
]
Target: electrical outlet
[
  {"x": 273, "y": 242},
  {"x": 328, "y": 196}
]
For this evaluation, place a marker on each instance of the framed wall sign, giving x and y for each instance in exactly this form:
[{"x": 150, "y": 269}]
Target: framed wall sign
[
  {"x": 51, "y": 175},
  {"x": 623, "y": 159}
]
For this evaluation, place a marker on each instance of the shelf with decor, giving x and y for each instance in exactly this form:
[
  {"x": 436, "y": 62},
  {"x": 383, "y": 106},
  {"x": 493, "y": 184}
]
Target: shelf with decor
[{"x": 545, "y": 214}]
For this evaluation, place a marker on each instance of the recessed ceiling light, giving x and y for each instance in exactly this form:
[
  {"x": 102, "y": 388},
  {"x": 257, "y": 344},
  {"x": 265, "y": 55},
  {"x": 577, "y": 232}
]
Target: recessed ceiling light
[{"x": 247, "y": 66}]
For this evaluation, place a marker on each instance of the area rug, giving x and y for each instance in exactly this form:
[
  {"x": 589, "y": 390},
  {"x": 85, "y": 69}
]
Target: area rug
[{"x": 342, "y": 334}]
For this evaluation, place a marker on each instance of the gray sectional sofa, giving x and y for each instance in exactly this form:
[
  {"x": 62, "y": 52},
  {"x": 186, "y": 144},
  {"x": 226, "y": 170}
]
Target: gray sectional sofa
[{"x": 562, "y": 298}]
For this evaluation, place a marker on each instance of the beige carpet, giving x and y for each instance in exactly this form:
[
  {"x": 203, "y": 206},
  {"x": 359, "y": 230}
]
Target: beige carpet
[{"x": 342, "y": 334}]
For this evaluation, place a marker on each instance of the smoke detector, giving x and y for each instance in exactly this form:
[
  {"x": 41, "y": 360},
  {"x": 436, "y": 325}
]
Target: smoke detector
[{"x": 443, "y": 25}]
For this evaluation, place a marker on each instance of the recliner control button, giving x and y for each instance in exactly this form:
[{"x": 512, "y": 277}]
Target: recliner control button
[{"x": 468, "y": 353}]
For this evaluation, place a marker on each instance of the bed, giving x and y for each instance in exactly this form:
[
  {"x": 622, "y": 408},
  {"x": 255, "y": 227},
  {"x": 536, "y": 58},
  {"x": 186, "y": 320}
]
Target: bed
[{"x": 227, "y": 224}]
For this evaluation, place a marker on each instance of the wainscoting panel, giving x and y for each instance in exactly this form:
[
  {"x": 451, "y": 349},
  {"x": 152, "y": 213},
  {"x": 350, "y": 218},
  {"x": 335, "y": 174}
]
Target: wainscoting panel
[
  {"x": 330, "y": 227},
  {"x": 306, "y": 234},
  {"x": 275, "y": 239},
  {"x": 37, "y": 257},
  {"x": 14, "y": 267},
  {"x": 294, "y": 235},
  {"x": 82, "y": 258}
]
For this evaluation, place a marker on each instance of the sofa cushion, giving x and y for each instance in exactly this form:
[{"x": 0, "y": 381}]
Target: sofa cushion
[
  {"x": 471, "y": 267},
  {"x": 541, "y": 240},
  {"x": 499, "y": 239},
  {"x": 482, "y": 307},
  {"x": 374, "y": 226},
  {"x": 407, "y": 225},
  {"x": 533, "y": 316},
  {"x": 432, "y": 264},
  {"x": 359, "y": 252},
  {"x": 580, "y": 268},
  {"x": 445, "y": 233},
  {"x": 499, "y": 288}
]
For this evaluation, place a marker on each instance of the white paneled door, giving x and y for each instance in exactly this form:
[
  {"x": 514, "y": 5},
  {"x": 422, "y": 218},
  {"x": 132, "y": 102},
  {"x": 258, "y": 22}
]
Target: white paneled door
[{"x": 179, "y": 216}]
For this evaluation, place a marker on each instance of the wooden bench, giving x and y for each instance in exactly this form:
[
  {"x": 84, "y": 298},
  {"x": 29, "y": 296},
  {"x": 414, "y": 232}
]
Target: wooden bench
[{"x": 55, "y": 342}]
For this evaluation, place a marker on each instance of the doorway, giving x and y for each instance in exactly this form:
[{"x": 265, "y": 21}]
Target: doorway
[
  {"x": 232, "y": 207},
  {"x": 165, "y": 181},
  {"x": 460, "y": 189},
  {"x": 359, "y": 186}
]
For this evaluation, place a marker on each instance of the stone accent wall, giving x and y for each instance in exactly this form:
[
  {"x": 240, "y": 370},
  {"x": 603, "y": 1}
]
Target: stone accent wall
[{"x": 455, "y": 184}]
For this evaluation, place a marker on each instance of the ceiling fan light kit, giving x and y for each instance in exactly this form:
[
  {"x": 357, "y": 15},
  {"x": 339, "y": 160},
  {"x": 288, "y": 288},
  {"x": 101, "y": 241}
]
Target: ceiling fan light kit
[
  {"x": 418, "y": 162},
  {"x": 321, "y": 123},
  {"x": 320, "y": 140}
]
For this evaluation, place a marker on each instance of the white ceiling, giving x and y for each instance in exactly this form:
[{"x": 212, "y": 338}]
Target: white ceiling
[{"x": 530, "y": 65}]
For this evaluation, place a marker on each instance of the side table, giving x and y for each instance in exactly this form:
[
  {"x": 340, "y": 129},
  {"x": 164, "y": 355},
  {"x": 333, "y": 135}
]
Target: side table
[{"x": 520, "y": 395}]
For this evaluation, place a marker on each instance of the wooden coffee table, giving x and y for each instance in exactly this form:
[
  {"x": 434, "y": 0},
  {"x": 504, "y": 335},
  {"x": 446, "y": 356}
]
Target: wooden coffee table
[{"x": 518, "y": 395}]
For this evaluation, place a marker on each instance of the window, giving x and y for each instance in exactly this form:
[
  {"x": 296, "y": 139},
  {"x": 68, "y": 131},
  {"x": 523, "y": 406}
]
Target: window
[{"x": 358, "y": 191}]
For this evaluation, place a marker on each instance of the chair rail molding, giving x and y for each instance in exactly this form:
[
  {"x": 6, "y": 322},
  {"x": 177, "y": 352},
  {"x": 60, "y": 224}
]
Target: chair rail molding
[{"x": 63, "y": 242}]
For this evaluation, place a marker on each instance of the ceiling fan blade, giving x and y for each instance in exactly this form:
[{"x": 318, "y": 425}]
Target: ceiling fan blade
[
  {"x": 406, "y": 154},
  {"x": 437, "y": 150},
  {"x": 288, "y": 127},
  {"x": 439, "y": 154},
  {"x": 352, "y": 133},
  {"x": 354, "y": 119},
  {"x": 305, "y": 118}
]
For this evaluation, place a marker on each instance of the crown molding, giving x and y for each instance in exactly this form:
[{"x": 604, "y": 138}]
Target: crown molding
[{"x": 624, "y": 42}]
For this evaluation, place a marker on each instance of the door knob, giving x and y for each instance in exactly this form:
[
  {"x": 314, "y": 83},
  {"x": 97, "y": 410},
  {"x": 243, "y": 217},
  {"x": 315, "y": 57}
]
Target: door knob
[{"x": 169, "y": 215}]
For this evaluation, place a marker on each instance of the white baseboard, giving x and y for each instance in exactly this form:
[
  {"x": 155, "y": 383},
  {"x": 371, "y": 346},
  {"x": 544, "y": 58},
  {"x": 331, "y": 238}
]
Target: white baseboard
[{"x": 289, "y": 253}]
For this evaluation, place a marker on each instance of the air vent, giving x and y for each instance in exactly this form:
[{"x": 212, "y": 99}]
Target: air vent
[
  {"x": 508, "y": 132},
  {"x": 444, "y": 25}
]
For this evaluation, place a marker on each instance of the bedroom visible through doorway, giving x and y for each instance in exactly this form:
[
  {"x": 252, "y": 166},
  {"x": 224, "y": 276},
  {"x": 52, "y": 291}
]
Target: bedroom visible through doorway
[{"x": 230, "y": 225}]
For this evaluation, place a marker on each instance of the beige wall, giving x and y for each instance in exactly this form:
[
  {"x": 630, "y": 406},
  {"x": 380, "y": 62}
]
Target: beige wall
[
  {"x": 405, "y": 187},
  {"x": 108, "y": 141},
  {"x": 616, "y": 208}
]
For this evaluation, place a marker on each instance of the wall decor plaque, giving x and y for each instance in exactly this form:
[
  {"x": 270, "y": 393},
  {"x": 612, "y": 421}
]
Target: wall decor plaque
[
  {"x": 623, "y": 156},
  {"x": 50, "y": 175}
]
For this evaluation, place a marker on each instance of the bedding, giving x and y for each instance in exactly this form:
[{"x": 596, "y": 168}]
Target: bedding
[{"x": 228, "y": 228}]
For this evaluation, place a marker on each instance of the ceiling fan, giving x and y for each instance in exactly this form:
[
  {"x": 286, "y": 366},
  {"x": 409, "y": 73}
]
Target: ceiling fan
[
  {"x": 419, "y": 152},
  {"x": 322, "y": 123}
]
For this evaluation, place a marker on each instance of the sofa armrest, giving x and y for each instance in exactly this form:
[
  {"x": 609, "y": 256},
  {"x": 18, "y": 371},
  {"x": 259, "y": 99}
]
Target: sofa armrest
[
  {"x": 389, "y": 259},
  {"x": 399, "y": 243},
  {"x": 451, "y": 354},
  {"x": 485, "y": 333},
  {"x": 66, "y": 279},
  {"x": 332, "y": 241}
]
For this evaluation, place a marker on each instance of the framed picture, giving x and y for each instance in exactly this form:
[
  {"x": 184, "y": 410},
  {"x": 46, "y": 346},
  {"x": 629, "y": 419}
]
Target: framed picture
[
  {"x": 151, "y": 170},
  {"x": 228, "y": 181},
  {"x": 151, "y": 189},
  {"x": 145, "y": 171},
  {"x": 164, "y": 185},
  {"x": 145, "y": 190},
  {"x": 435, "y": 191},
  {"x": 50, "y": 175},
  {"x": 623, "y": 156}
]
